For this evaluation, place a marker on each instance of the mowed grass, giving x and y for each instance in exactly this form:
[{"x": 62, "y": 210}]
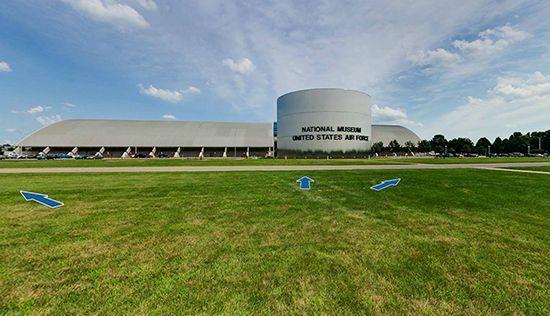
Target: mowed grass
[
  {"x": 539, "y": 168},
  {"x": 169, "y": 162},
  {"x": 441, "y": 242},
  {"x": 470, "y": 160},
  {"x": 71, "y": 163}
]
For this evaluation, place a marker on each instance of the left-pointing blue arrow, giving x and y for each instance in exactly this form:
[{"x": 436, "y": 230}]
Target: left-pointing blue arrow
[{"x": 41, "y": 199}]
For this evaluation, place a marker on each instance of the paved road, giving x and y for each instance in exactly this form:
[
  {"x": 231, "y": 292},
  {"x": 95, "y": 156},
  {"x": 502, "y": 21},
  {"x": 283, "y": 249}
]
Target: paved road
[{"x": 488, "y": 166}]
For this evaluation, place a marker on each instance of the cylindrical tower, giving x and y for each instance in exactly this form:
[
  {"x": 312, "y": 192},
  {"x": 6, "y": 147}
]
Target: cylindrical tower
[{"x": 324, "y": 120}]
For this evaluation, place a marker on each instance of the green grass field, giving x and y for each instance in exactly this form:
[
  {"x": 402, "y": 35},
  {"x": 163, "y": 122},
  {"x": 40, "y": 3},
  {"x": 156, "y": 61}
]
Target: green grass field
[
  {"x": 241, "y": 162},
  {"x": 442, "y": 242},
  {"x": 188, "y": 162},
  {"x": 540, "y": 168}
]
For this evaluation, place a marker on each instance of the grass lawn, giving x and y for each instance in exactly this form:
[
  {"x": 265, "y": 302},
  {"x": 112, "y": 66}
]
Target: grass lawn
[
  {"x": 248, "y": 162},
  {"x": 31, "y": 163},
  {"x": 443, "y": 241},
  {"x": 541, "y": 168},
  {"x": 476, "y": 160}
]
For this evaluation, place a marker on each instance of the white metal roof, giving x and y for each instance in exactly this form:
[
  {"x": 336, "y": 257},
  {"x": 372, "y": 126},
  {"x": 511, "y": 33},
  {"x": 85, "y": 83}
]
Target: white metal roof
[
  {"x": 387, "y": 133},
  {"x": 122, "y": 133}
]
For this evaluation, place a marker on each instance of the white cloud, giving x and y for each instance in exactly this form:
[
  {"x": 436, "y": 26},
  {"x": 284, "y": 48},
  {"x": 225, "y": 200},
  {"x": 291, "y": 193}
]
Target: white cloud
[
  {"x": 109, "y": 11},
  {"x": 47, "y": 120},
  {"x": 169, "y": 116},
  {"x": 192, "y": 89},
  {"x": 439, "y": 56},
  {"x": 167, "y": 95},
  {"x": 536, "y": 84},
  {"x": 69, "y": 105},
  {"x": 5, "y": 67},
  {"x": 295, "y": 45},
  {"x": 11, "y": 130},
  {"x": 492, "y": 40},
  {"x": 244, "y": 66},
  {"x": 515, "y": 103},
  {"x": 36, "y": 109},
  {"x": 148, "y": 4},
  {"x": 386, "y": 114}
]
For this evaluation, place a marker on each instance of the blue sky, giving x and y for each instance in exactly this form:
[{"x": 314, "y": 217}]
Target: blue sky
[{"x": 470, "y": 68}]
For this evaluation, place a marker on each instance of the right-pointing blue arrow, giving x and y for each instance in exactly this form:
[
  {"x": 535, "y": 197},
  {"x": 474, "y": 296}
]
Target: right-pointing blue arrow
[{"x": 385, "y": 184}]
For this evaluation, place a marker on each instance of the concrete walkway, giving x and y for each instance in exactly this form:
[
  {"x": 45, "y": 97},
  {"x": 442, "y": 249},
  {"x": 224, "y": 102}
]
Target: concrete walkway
[{"x": 486, "y": 166}]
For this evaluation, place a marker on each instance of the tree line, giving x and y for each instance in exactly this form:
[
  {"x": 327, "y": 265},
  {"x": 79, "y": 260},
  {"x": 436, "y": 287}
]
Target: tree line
[{"x": 534, "y": 142}]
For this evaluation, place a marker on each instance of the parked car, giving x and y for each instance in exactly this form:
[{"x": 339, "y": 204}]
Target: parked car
[
  {"x": 517, "y": 154},
  {"x": 45, "y": 157},
  {"x": 94, "y": 157},
  {"x": 62, "y": 156}
]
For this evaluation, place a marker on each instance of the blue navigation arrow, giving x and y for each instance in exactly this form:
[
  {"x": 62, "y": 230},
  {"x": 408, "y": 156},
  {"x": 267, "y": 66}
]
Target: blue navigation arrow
[
  {"x": 385, "y": 184},
  {"x": 41, "y": 198},
  {"x": 305, "y": 183}
]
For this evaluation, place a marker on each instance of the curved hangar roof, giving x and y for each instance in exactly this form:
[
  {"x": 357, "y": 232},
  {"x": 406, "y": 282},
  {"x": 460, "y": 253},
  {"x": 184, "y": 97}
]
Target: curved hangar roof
[
  {"x": 387, "y": 133},
  {"x": 118, "y": 133}
]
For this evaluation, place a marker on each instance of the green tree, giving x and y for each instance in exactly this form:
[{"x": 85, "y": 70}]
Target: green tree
[
  {"x": 394, "y": 145},
  {"x": 535, "y": 139},
  {"x": 518, "y": 142},
  {"x": 410, "y": 145},
  {"x": 482, "y": 145},
  {"x": 506, "y": 147},
  {"x": 461, "y": 145},
  {"x": 424, "y": 146},
  {"x": 438, "y": 143},
  {"x": 377, "y": 147},
  {"x": 497, "y": 146}
]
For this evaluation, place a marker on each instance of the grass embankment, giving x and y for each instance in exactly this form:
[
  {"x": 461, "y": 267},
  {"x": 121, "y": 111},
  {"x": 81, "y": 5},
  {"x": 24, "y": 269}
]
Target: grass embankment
[
  {"x": 70, "y": 163},
  {"x": 443, "y": 241}
]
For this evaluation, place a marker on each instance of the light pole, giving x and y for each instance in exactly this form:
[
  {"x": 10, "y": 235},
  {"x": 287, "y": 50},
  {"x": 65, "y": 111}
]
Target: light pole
[
  {"x": 528, "y": 150},
  {"x": 489, "y": 151},
  {"x": 445, "y": 150}
]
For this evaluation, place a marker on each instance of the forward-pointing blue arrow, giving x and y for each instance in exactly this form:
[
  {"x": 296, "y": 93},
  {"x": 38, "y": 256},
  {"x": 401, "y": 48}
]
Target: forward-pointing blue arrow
[
  {"x": 305, "y": 183},
  {"x": 385, "y": 184},
  {"x": 41, "y": 198}
]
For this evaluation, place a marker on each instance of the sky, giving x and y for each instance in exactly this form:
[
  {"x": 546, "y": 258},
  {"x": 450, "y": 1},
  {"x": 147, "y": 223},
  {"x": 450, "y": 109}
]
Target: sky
[{"x": 469, "y": 68}]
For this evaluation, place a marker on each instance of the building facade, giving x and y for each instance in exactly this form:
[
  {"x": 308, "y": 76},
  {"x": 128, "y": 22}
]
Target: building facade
[
  {"x": 314, "y": 121},
  {"x": 325, "y": 121},
  {"x": 187, "y": 139}
]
